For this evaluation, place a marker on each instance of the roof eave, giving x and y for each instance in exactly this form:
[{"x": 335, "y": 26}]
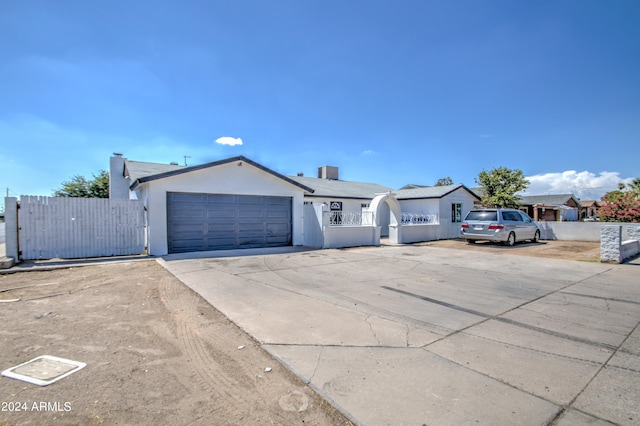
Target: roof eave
[
  {"x": 344, "y": 197},
  {"x": 145, "y": 179}
]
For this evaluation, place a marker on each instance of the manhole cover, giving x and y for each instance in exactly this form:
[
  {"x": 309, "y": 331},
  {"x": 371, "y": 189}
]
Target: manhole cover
[{"x": 44, "y": 370}]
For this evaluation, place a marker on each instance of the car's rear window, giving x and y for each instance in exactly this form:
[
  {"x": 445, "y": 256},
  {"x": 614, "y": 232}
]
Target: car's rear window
[{"x": 482, "y": 215}]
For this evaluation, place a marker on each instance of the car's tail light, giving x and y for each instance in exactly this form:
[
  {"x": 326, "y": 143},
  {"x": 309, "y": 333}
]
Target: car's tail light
[
  {"x": 465, "y": 226},
  {"x": 496, "y": 226}
]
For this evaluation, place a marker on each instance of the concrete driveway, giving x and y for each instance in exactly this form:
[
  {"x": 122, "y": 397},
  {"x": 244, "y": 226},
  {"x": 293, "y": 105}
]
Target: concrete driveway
[{"x": 411, "y": 335}]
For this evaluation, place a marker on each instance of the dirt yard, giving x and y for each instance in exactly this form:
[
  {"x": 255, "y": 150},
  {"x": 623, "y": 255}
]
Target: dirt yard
[
  {"x": 567, "y": 250},
  {"x": 156, "y": 354}
]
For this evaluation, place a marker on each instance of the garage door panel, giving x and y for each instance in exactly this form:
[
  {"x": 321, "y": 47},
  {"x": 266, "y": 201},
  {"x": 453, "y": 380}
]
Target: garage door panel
[
  {"x": 187, "y": 197},
  {"x": 220, "y": 228},
  {"x": 189, "y": 236},
  {"x": 275, "y": 242},
  {"x": 221, "y": 243},
  {"x": 276, "y": 228},
  {"x": 249, "y": 241},
  {"x": 189, "y": 213},
  {"x": 277, "y": 215},
  {"x": 186, "y": 245},
  {"x": 188, "y": 226},
  {"x": 216, "y": 213},
  {"x": 283, "y": 201},
  {"x": 220, "y": 199},
  {"x": 219, "y": 221},
  {"x": 256, "y": 228},
  {"x": 245, "y": 200}
]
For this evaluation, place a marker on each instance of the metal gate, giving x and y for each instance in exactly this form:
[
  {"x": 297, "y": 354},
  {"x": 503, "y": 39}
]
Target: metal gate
[
  {"x": 201, "y": 222},
  {"x": 68, "y": 228}
]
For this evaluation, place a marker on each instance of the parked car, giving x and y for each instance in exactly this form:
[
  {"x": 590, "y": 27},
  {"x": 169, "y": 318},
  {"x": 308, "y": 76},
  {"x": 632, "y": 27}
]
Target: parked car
[{"x": 503, "y": 225}]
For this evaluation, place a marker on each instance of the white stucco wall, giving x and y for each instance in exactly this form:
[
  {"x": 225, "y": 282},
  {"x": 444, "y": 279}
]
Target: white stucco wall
[
  {"x": 348, "y": 205},
  {"x": 355, "y": 206},
  {"x": 442, "y": 208},
  {"x": 223, "y": 179},
  {"x": 424, "y": 206},
  {"x": 351, "y": 236}
]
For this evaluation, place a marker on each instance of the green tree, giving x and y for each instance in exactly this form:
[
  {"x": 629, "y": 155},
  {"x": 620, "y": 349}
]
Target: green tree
[
  {"x": 444, "y": 181},
  {"x": 500, "y": 186},
  {"x": 621, "y": 205},
  {"x": 79, "y": 186}
]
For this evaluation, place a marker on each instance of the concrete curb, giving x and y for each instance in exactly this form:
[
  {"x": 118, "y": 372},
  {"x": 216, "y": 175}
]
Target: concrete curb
[{"x": 6, "y": 262}]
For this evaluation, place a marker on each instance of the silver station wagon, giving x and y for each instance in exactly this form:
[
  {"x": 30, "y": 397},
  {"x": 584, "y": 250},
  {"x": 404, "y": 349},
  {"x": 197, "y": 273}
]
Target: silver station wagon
[{"x": 503, "y": 225}]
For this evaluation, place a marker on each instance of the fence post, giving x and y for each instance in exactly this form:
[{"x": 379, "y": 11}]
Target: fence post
[
  {"x": 610, "y": 243},
  {"x": 11, "y": 227}
]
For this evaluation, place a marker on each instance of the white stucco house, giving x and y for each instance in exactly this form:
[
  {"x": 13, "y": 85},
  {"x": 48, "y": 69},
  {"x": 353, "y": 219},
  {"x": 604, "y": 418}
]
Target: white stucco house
[
  {"x": 238, "y": 203},
  {"x": 444, "y": 206},
  {"x": 227, "y": 204}
]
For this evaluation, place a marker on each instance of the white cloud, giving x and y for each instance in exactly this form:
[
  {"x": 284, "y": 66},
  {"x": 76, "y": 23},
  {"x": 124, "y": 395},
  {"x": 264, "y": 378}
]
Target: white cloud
[
  {"x": 368, "y": 152},
  {"x": 585, "y": 185},
  {"x": 228, "y": 140}
]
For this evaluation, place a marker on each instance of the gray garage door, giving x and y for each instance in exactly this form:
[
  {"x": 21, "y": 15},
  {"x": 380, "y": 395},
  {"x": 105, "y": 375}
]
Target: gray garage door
[{"x": 199, "y": 222}]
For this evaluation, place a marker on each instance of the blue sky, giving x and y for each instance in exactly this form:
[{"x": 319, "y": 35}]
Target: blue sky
[{"x": 390, "y": 92}]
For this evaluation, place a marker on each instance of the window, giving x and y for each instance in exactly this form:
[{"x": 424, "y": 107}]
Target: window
[
  {"x": 511, "y": 216},
  {"x": 525, "y": 217},
  {"x": 491, "y": 215},
  {"x": 456, "y": 212}
]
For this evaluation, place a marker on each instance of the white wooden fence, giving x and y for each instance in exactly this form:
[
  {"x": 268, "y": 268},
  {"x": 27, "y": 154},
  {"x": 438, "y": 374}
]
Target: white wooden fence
[{"x": 69, "y": 228}]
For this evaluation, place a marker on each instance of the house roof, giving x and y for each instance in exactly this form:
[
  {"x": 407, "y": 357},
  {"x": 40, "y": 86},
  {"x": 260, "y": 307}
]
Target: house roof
[
  {"x": 139, "y": 169},
  {"x": 412, "y": 186},
  {"x": 419, "y": 192},
  {"x": 549, "y": 200},
  {"x": 161, "y": 171},
  {"x": 590, "y": 203},
  {"x": 340, "y": 188}
]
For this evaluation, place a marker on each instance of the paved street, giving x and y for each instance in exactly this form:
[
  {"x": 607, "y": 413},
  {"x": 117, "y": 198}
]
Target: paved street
[{"x": 426, "y": 335}]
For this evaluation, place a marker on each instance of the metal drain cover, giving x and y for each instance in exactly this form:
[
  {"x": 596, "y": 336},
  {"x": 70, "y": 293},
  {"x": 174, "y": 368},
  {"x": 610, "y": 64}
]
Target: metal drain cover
[{"x": 44, "y": 370}]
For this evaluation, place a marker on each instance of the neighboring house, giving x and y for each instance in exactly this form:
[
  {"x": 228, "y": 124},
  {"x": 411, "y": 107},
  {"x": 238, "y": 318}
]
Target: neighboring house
[
  {"x": 589, "y": 209},
  {"x": 237, "y": 203},
  {"x": 232, "y": 203},
  {"x": 557, "y": 207}
]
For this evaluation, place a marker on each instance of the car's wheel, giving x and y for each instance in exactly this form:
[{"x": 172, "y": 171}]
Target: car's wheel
[
  {"x": 511, "y": 239},
  {"x": 536, "y": 237}
]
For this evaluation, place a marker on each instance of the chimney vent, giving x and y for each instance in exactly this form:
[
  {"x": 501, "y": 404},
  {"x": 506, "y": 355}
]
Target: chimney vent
[
  {"x": 328, "y": 172},
  {"x": 300, "y": 174}
]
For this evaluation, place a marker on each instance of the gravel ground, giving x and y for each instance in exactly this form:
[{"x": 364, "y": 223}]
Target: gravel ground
[{"x": 566, "y": 250}]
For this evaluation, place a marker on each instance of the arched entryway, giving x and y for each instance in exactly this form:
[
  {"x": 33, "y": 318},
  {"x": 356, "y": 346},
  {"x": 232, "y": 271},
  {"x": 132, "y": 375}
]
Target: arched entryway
[{"x": 395, "y": 217}]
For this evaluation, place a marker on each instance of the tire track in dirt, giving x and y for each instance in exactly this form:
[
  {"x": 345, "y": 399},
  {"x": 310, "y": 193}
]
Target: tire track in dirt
[{"x": 223, "y": 387}]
